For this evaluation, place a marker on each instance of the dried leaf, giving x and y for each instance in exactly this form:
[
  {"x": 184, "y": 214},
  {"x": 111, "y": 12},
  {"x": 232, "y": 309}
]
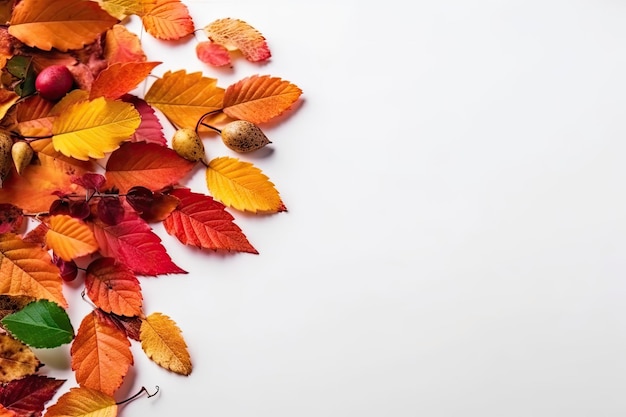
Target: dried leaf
[
  {"x": 113, "y": 287},
  {"x": 242, "y": 186},
  {"x": 101, "y": 355},
  {"x": 83, "y": 402},
  {"x": 259, "y": 99},
  {"x": 16, "y": 360},
  {"x": 120, "y": 78},
  {"x": 237, "y": 34},
  {"x": 29, "y": 395},
  {"x": 163, "y": 342},
  {"x": 168, "y": 20},
  {"x": 70, "y": 238}
]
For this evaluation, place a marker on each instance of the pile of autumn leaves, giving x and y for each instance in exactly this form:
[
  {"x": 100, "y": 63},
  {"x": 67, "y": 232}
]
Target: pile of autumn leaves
[{"x": 63, "y": 214}]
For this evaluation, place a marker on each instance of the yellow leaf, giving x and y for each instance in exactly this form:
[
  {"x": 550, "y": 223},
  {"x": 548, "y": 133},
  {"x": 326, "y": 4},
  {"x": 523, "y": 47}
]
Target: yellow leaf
[
  {"x": 83, "y": 402},
  {"x": 242, "y": 186},
  {"x": 123, "y": 8},
  {"x": 163, "y": 342},
  {"x": 60, "y": 24},
  {"x": 16, "y": 359},
  {"x": 27, "y": 269},
  {"x": 185, "y": 98},
  {"x": 236, "y": 34},
  {"x": 91, "y": 128},
  {"x": 7, "y": 100},
  {"x": 70, "y": 238}
]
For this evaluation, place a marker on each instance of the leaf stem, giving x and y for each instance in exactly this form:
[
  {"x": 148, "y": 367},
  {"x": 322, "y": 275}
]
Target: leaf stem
[
  {"x": 204, "y": 116},
  {"x": 141, "y": 391}
]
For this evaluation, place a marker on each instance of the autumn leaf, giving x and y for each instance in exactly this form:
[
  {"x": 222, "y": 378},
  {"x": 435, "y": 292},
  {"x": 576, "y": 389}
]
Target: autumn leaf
[
  {"x": 133, "y": 243},
  {"x": 130, "y": 325},
  {"x": 5, "y": 412},
  {"x": 101, "y": 354},
  {"x": 145, "y": 164},
  {"x": 41, "y": 324},
  {"x": 113, "y": 287},
  {"x": 212, "y": 53},
  {"x": 11, "y": 218},
  {"x": 59, "y": 24},
  {"x": 237, "y": 34},
  {"x": 168, "y": 20},
  {"x": 122, "y": 45},
  {"x": 70, "y": 238},
  {"x": 242, "y": 186},
  {"x": 16, "y": 360},
  {"x": 28, "y": 396},
  {"x": 123, "y": 8},
  {"x": 30, "y": 117},
  {"x": 89, "y": 129},
  {"x": 259, "y": 98},
  {"x": 203, "y": 222},
  {"x": 7, "y": 100},
  {"x": 83, "y": 402},
  {"x": 27, "y": 269},
  {"x": 185, "y": 98},
  {"x": 120, "y": 78},
  {"x": 10, "y": 304},
  {"x": 162, "y": 341},
  {"x": 150, "y": 129}
]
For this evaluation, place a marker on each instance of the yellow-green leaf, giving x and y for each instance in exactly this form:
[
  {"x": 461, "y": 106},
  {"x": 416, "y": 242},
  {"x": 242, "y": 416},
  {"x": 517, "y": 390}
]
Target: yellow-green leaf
[
  {"x": 242, "y": 186},
  {"x": 92, "y": 128}
]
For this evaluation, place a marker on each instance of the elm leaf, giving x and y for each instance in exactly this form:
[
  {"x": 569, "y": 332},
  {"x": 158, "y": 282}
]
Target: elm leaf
[{"x": 41, "y": 324}]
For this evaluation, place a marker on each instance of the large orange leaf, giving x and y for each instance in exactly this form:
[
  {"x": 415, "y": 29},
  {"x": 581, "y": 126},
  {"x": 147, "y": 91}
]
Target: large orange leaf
[
  {"x": 70, "y": 238},
  {"x": 83, "y": 402},
  {"x": 60, "y": 24},
  {"x": 163, "y": 342},
  {"x": 259, "y": 98},
  {"x": 168, "y": 20},
  {"x": 30, "y": 117},
  {"x": 237, "y": 34},
  {"x": 113, "y": 287},
  {"x": 91, "y": 128},
  {"x": 101, "y": 354},
  {"x": 27, "y": 269},
  {"x": 242, "y": 186},
  {"x": 185, "y": 98},
  {"x": 120, "y": 78}
]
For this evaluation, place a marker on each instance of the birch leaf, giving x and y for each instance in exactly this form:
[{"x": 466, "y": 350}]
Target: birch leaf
[
  {"x": 236, "y": 34},
  {"x": 83, "y": 402},
  {"x": 163, "y": 342},
  {"x": 168, "y": 20},
  {"x": 70, "y": 238}
]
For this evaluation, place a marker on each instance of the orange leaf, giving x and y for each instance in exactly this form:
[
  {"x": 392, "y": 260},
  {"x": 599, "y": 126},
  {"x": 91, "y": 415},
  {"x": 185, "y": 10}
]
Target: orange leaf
[
  {"x": 113, "y": 287},
  {"x": 5, "y": 412},
  {"x": 163, "y": 342},
  {"x": 30, "y": 117},
  {"x": 168, "y": 20},
  {"x": 27, "y": 269},
  {"x": 237, "y": 34},
  {"x": 60, "y": 24},
  {"x": 7, "y": 100},
  {"x": 122, "y": 45},
  {"x": 83, "y": 402},
  {"x": 185, "y": 98},
  {"x": 120, "y": 78},
  {"x": 101, "y": 354},
  {"x": 258, "y": 99},
  {"x": 242, "y": 186},
  {"x": 70, "y": 238}
]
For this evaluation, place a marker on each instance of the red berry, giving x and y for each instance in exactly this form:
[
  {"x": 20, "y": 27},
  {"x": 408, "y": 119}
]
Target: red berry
[{"x": 54, "y": 82}]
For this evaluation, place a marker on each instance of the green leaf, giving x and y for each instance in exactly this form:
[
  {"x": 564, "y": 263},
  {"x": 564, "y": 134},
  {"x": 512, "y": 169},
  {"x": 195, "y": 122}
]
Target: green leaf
[{"x": 41, "y": 324}]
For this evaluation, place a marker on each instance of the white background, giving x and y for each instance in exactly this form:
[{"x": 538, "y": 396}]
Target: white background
[{"x": 455, "y": 241}]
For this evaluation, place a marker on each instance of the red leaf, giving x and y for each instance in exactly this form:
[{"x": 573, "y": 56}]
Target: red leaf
[
  {"x": 133, "y": 243},
  {"x": 113, "y": 287},
  {"x": 150, "y": 130},
  {"x": 130, "y": 325},
  {"x": 146, "y": 164},
  {"x": 213, "y": 53},
  {"x": 28, "y": 396},
  {"x": 201, "y": 221}
]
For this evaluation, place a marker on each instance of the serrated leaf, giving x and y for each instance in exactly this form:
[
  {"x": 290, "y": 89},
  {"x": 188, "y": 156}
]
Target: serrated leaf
[
  {"x": 28, "y": 396},
  {"x": 162, "y": 341},
  {"x": 237, "y": 34},
  {"x": 145, "y": 164},
  {"x": 70, "y": 238},
  {"x": 59, "y": 24},
  {"x": 259, "y": 99},
  {"x": 41, "y": 324},
  {"x": 113, "y": 287},
  {"x": 168, "y": 20},
  {"x": 184, "y": 98},
  {"x": 30, "y": 117},
  {"x": 133, "y": 243},
  {"x": 27, "y": 269},
  {"x": 150, "y": 129},
  {"x": 92, "y": 128},
  {"x": 242, "y": 186},
  {"x": 16, "y": 361},
  {"x": 120, "y": 78},
  {"x": 201, "y": 221},
  {"x": 83, "y": 402},
  {"x": 101, "y": 354}
]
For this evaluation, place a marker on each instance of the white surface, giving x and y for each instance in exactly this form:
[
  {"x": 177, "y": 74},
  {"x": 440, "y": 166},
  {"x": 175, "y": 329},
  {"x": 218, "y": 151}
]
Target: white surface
[{"x": 455, "y": 242}]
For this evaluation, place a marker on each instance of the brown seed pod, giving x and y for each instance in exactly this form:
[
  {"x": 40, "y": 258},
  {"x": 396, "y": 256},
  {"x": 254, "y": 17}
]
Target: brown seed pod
[
  {"x": 243, "y": 136},
  {"x": 188, "y": 144},
  {"x": 5, "y": 155},
  {"x": 22, "y": 154}
]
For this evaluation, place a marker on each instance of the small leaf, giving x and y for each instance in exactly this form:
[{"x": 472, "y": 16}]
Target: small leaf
[
  {"x": 168, "y": 20},
  {"x": 237, "y": 34},
  {"x": 120, "y": 78},
  {"x": 70, "y": 238},
  {"x": 28, "y": 396},
  {"x": 163, "y": 343},
  {"x": 113, "y": 287},
  {"x": 150, "y": 129},
  {"x": 41, "y": 324},
  {"x": 83, "y": 402},
  {"x": 242, "y": 186},
  {"x": 212, "y": 53},
  {"x": 16, "y": 361}
]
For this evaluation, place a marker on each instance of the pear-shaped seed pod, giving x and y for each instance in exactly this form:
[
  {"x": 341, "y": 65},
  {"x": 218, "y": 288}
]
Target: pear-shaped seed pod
[
  {"x": 5, "y": 155},
  {"x": 22, "y": 154},
  {"x": 243, "y": 136},
  {"x": 188, "y": 144}
]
